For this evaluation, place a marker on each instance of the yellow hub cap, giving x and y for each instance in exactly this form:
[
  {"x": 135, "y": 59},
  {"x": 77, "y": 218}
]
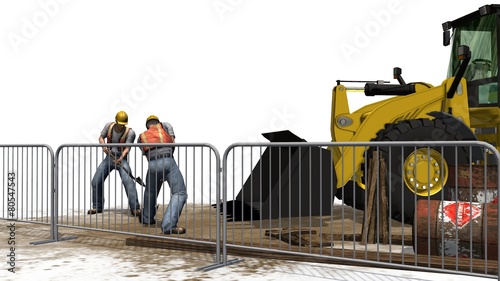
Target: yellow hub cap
[
  {"x": 359, "y": 178},
  {"x": 425, "y": 171}
]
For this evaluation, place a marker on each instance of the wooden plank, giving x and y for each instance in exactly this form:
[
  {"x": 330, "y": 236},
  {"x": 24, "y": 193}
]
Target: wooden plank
[
  {"x": 395, "y": 239},
  {"x": 367, "y": 231},
  {"x": 374, "y": 231},
  {"x": 384, "y": 214},
  {"x": 300, "y": 237}
]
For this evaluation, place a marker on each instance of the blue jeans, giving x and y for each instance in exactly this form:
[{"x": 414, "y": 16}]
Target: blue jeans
[
  {"x": 160, "y": 170},
  {"x": 107, "y": 165}
]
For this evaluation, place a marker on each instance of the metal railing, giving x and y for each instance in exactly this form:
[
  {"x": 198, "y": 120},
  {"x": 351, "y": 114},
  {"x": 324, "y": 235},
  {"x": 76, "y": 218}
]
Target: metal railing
[
  {"x": 199, "y": 165},
  {"x": 277, "y": 198},
  {"x": 282, "y": 199},
  {"x": 27, "y": 185}
]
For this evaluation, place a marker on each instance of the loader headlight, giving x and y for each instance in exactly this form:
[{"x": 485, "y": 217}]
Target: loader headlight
[{"x": 343, "y": 121}]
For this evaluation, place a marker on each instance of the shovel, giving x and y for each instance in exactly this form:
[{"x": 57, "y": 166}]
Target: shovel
[{"x": 137, "y": 179}]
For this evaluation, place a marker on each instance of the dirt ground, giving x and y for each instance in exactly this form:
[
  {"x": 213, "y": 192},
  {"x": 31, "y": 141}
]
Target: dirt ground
[{"x": 91, "y": 244}]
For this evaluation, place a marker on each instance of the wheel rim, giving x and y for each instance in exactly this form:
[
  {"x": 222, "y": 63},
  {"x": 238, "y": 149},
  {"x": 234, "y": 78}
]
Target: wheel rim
[
  {"x": 425, "y": 172},
  {"x": 360, "y": 179}
]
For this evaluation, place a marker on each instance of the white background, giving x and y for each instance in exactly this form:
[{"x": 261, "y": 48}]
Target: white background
[
  {"x": 226, "y": 70},
  {"x": 229, "y": 70}
]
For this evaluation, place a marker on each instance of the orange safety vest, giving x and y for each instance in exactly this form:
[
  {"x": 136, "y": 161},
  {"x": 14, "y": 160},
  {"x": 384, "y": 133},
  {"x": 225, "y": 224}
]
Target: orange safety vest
[
  {"x": 155, "y": 134},
  {"x": 123, "y": 138}
]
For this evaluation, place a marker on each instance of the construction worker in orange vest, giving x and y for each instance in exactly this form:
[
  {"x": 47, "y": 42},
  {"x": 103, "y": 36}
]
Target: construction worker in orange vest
[{"x": 162, "y": 167}]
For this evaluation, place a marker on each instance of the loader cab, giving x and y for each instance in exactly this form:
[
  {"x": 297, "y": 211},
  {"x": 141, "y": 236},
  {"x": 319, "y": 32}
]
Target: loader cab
[{"x": 478, "y": 30}]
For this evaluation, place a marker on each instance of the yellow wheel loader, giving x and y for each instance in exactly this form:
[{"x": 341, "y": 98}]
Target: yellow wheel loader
[{"x": 464, "y": 107}]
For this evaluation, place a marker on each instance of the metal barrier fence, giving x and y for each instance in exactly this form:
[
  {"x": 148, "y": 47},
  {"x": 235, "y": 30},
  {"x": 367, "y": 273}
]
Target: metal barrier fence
[
  {"x": 199, "y": 165},
  {"x": 27, "y": 186},
  {"x": 278, "y": 197},
  {"x": 282, "y": 199}
]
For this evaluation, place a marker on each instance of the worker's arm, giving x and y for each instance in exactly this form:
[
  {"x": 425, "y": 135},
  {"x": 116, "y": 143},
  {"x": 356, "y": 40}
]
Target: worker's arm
[
  {"x": 103, "y": 135},
  {"x": 130, "y": 139},
  {"x": 169, "y": 129},
  {"x": 124, "y": 154},
  {"x": 102, "y": 141}
]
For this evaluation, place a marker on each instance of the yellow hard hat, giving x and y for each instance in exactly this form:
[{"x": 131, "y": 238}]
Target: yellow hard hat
[
  {"x": 151, "y": 117},
  {"x": 121, "y": 118}
]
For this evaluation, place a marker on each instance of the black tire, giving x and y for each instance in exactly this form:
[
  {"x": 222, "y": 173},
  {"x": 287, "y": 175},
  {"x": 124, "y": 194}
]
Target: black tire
[
  {"x": 352, "y": 195},
  {"x": 402, "y": 199}
]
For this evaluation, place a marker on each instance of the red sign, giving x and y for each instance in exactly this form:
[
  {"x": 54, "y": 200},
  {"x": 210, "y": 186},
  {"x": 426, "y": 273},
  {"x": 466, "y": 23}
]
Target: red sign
[{"x": 461, "y": 213}]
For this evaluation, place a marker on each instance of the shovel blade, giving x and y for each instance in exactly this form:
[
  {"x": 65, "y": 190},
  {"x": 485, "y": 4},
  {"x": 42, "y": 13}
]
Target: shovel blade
[{"x": 139, "y": 181}]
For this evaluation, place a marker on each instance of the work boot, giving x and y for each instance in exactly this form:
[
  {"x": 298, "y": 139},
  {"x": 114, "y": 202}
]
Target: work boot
[
  {"x": 135, "y": 213},
  {"x": 93, "y": 211},
  {"x": 175, "y": 230}
]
